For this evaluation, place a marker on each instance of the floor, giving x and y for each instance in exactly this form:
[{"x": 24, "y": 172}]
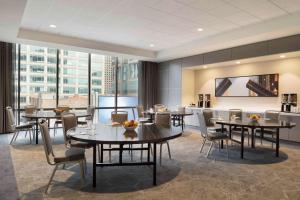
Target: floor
[{"x": 24, "y": 173}]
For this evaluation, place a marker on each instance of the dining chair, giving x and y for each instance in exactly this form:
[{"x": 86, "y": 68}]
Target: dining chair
[
  {"x": 238, "y": 114},
  {"x": 141, "y": 117},
  {"x": 270, "y": 116},
  {"x": 118, "y": 117},
  {"x": 91, "y": 112},
  {"x": 70, "y": 155},
  {"x": 69, "y": 121},
  {"x": 58, "y": 121},
  {"x": 16, "y": 129},
  {"x": 163, "y": 119},
  {"x": 209, "y": 132},
  {"x": 159, "y": 108}
]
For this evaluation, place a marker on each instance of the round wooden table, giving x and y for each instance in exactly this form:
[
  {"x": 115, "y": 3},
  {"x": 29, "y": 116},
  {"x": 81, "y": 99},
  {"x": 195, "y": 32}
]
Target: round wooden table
[
  {"x": 260, "y": 124},
  {"x": 108, "y": 134},
  {"x": 48, "y": 115}
]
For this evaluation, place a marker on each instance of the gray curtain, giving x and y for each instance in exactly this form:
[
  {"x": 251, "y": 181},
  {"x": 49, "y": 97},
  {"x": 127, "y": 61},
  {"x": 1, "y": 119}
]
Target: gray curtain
[
  {"x": 148, "y": 83},
  {"x": 7, "y": 67}
]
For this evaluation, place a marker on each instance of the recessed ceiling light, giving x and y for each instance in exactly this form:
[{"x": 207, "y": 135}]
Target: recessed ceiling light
[
  {"x": 204, "y": 67},
  {"x": 238, "y": 62},
  {"x": 282, "y": 56},
  {"x": 52, "y": 26},
  {"x": 151, "y": 45},
  {"x": 199, "y": 29}
]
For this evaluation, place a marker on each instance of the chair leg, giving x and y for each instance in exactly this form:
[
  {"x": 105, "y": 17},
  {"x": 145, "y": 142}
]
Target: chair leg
[
  {"x": 209, "y": 149},
  {"x": 16, "y": 135},
  {"x": 203, "y": 143},
  {"x": 272, "y": 142},
  {"x": 52, "y": 175},
  {"x": 29, "y": 130},
  {"x": 160, "y": 153},
  {"x": 13, "y": 137},
  {"x": 54, "y": 127},
  {"x": 169, "y": 150}
]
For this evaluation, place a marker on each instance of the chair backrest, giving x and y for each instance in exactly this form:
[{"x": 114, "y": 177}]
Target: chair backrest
[
  {"x": 272, "y": 115},
  {"x": 69, "y": 121},
  {"x": 64, "y": 107},
  {"x": 30, "y": 109},
  {"x": 159, "y": 107},
  {"x": 10, "y": 118},
  {"x": 163, "y": 119},
  {"x": 181, "y": 109},
  {"x": 202, "y": 123},
  {"x": 47, "y": 143},
  {"x": 237, "y": 112},
  {"x": 119, "y": 116},
  {"x": 90, "y": 110},
  {"x": 140, "y": 110},
  {"x": 208, "y": 114}
]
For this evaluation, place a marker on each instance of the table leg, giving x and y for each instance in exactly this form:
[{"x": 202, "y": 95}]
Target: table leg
[
  {"x": 121, "y": 154},
  {"x": 36, "y": 131},
  {"x": 222, "y": 130},
  {"x": 277, "y": 142},
  {"x": 242, "y": 143},
  {"x": 94, "y": 164},
  {"x": 252, "y": 138},
  {"x": 154, "y": 163},
  {"x": 101, "y": 153},
  {"x": 148, "y": 152}
]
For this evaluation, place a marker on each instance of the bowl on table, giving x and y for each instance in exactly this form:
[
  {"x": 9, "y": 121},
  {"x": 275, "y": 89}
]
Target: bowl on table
[{"x": 130, "y": 125}]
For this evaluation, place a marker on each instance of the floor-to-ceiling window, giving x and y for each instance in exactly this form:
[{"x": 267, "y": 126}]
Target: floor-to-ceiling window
[
  {"x": 73, "y": 79},
  {"x": 49, "y": 77}
]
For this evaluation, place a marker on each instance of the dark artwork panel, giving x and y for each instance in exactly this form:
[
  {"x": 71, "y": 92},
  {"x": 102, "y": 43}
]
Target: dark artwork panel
[{"x": 248, "y": 86}]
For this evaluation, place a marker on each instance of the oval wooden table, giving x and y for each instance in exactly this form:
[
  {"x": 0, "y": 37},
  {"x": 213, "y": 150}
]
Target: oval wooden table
[
  {"x": 261, "y": 124},
  {"x": 48, "y": 115},
  {"x": 108, "y": 134},
  {"x": 176, "y": 114}
]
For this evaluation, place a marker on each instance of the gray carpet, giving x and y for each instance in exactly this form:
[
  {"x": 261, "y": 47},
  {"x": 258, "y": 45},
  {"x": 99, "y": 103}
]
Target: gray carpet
[{"x": 189, "y": 175}]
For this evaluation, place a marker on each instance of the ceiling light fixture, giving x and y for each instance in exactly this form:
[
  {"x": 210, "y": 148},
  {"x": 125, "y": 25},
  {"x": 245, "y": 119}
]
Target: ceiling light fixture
[
  {"x": 151, "y": 45},
  {"x": 282, "y": 56},
  {"x": 238, "y": 62},
  {"x": 199, "y": 29},
  {"x": 52, "y": 26}
]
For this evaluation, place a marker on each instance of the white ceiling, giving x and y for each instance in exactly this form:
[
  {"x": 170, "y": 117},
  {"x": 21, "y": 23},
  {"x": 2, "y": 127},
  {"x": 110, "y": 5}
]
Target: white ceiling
[{"x": 171, "y": 25}]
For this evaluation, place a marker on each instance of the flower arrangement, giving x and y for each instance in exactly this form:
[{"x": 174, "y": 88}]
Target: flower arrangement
[{"x": 254, "y": 117}]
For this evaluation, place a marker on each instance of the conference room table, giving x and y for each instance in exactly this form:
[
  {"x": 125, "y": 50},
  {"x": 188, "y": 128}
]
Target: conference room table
[
  {"x": 107, "y": 134},
  {"x": 261, "y": 124},
  {"x": 175, "y": 115},
  {"x": 36, "y": 116}
]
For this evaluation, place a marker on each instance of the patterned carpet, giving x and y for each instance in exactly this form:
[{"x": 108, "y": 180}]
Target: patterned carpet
[{"x": 189, "y": 175}]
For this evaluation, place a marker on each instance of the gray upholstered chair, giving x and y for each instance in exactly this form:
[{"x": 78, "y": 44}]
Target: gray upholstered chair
[
  {"x": 58, "y": 121},
  {"x": 209, "y": 132},
  {"x": 159, "y": 107},
  {"x": 71, "y": 155},
  {"x": 141, "y": 117},
  {"x": 91, "y": 111},
  {"x": 163, "y": 119},
  {"x": 69, "y": 120},
  {"x": 16, "y": 129},
  {"x": 238, "y": 115},
  {"x": 270, "y": 116},
  {"x": 119, "y": 116}
]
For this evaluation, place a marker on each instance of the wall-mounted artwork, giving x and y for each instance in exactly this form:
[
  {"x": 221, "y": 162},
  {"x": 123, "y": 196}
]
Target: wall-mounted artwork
[{"x": 247, "y": 86}]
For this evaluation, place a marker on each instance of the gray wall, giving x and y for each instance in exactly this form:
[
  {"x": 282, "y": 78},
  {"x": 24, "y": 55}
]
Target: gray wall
[{"x": 169, "y": 90}]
